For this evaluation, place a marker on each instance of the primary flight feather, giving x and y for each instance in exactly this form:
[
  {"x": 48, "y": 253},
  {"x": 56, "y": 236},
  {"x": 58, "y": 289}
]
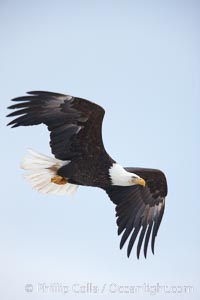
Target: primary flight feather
[{"x": 75, "y": 127}]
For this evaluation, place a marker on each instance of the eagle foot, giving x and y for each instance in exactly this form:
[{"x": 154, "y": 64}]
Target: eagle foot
[{"x": 59, "y": 180}]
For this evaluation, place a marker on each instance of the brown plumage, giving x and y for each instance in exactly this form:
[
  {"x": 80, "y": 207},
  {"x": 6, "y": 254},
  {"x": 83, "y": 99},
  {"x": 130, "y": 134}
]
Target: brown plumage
[{"x": 75, "y": 127}]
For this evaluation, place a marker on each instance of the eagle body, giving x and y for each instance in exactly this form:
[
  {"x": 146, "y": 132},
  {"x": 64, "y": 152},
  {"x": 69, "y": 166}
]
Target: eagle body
[
  {"x": 75, "y": 126},
  {"x": 88, "y": 172}
]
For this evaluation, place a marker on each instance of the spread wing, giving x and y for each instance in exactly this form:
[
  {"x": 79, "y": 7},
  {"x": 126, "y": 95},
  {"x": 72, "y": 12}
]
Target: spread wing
[
  {"x": 139, "y": 210},
  {"x": 75, "y": 124}
]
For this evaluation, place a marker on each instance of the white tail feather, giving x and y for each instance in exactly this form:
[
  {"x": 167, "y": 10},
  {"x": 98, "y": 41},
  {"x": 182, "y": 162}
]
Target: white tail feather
[{"x": 41, "y": 169}]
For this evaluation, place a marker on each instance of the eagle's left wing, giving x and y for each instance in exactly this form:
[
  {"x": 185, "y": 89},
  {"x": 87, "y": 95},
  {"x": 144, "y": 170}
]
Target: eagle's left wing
[{"x": 139, "y": 210}]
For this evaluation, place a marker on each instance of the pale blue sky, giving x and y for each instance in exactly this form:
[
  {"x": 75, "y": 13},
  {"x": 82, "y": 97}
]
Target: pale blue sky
[{"x": 140, "y": 61}]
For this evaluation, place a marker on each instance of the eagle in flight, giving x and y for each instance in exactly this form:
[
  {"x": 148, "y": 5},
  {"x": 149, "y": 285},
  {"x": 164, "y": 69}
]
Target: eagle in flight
[{"x": 75, "y": 126}]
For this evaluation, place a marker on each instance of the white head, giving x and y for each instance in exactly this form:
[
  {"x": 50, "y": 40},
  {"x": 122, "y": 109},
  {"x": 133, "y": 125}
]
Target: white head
[{"x": 119, "y": 176}]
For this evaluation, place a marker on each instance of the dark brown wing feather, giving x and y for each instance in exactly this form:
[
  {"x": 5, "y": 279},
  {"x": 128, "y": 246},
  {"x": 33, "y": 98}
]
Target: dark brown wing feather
[
  {"x": 139, "y": 210},
  {"x": 75, "y": 124}
]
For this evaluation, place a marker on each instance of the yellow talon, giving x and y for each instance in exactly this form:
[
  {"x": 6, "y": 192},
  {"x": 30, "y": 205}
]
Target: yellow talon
[{"x": 59, "y": 180}]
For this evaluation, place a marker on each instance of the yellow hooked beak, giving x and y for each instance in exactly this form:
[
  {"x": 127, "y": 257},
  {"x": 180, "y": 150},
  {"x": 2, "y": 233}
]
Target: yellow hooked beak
[{"x": 139, "y": 181}]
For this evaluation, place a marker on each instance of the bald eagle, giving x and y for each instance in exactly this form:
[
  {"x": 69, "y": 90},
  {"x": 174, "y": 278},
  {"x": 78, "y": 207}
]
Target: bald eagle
[{"x": 75, "y": 126}]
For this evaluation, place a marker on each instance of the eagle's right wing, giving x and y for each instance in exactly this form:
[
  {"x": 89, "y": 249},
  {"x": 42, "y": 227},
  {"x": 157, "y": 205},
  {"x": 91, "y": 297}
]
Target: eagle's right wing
[{"x": 75, "y": 124}]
